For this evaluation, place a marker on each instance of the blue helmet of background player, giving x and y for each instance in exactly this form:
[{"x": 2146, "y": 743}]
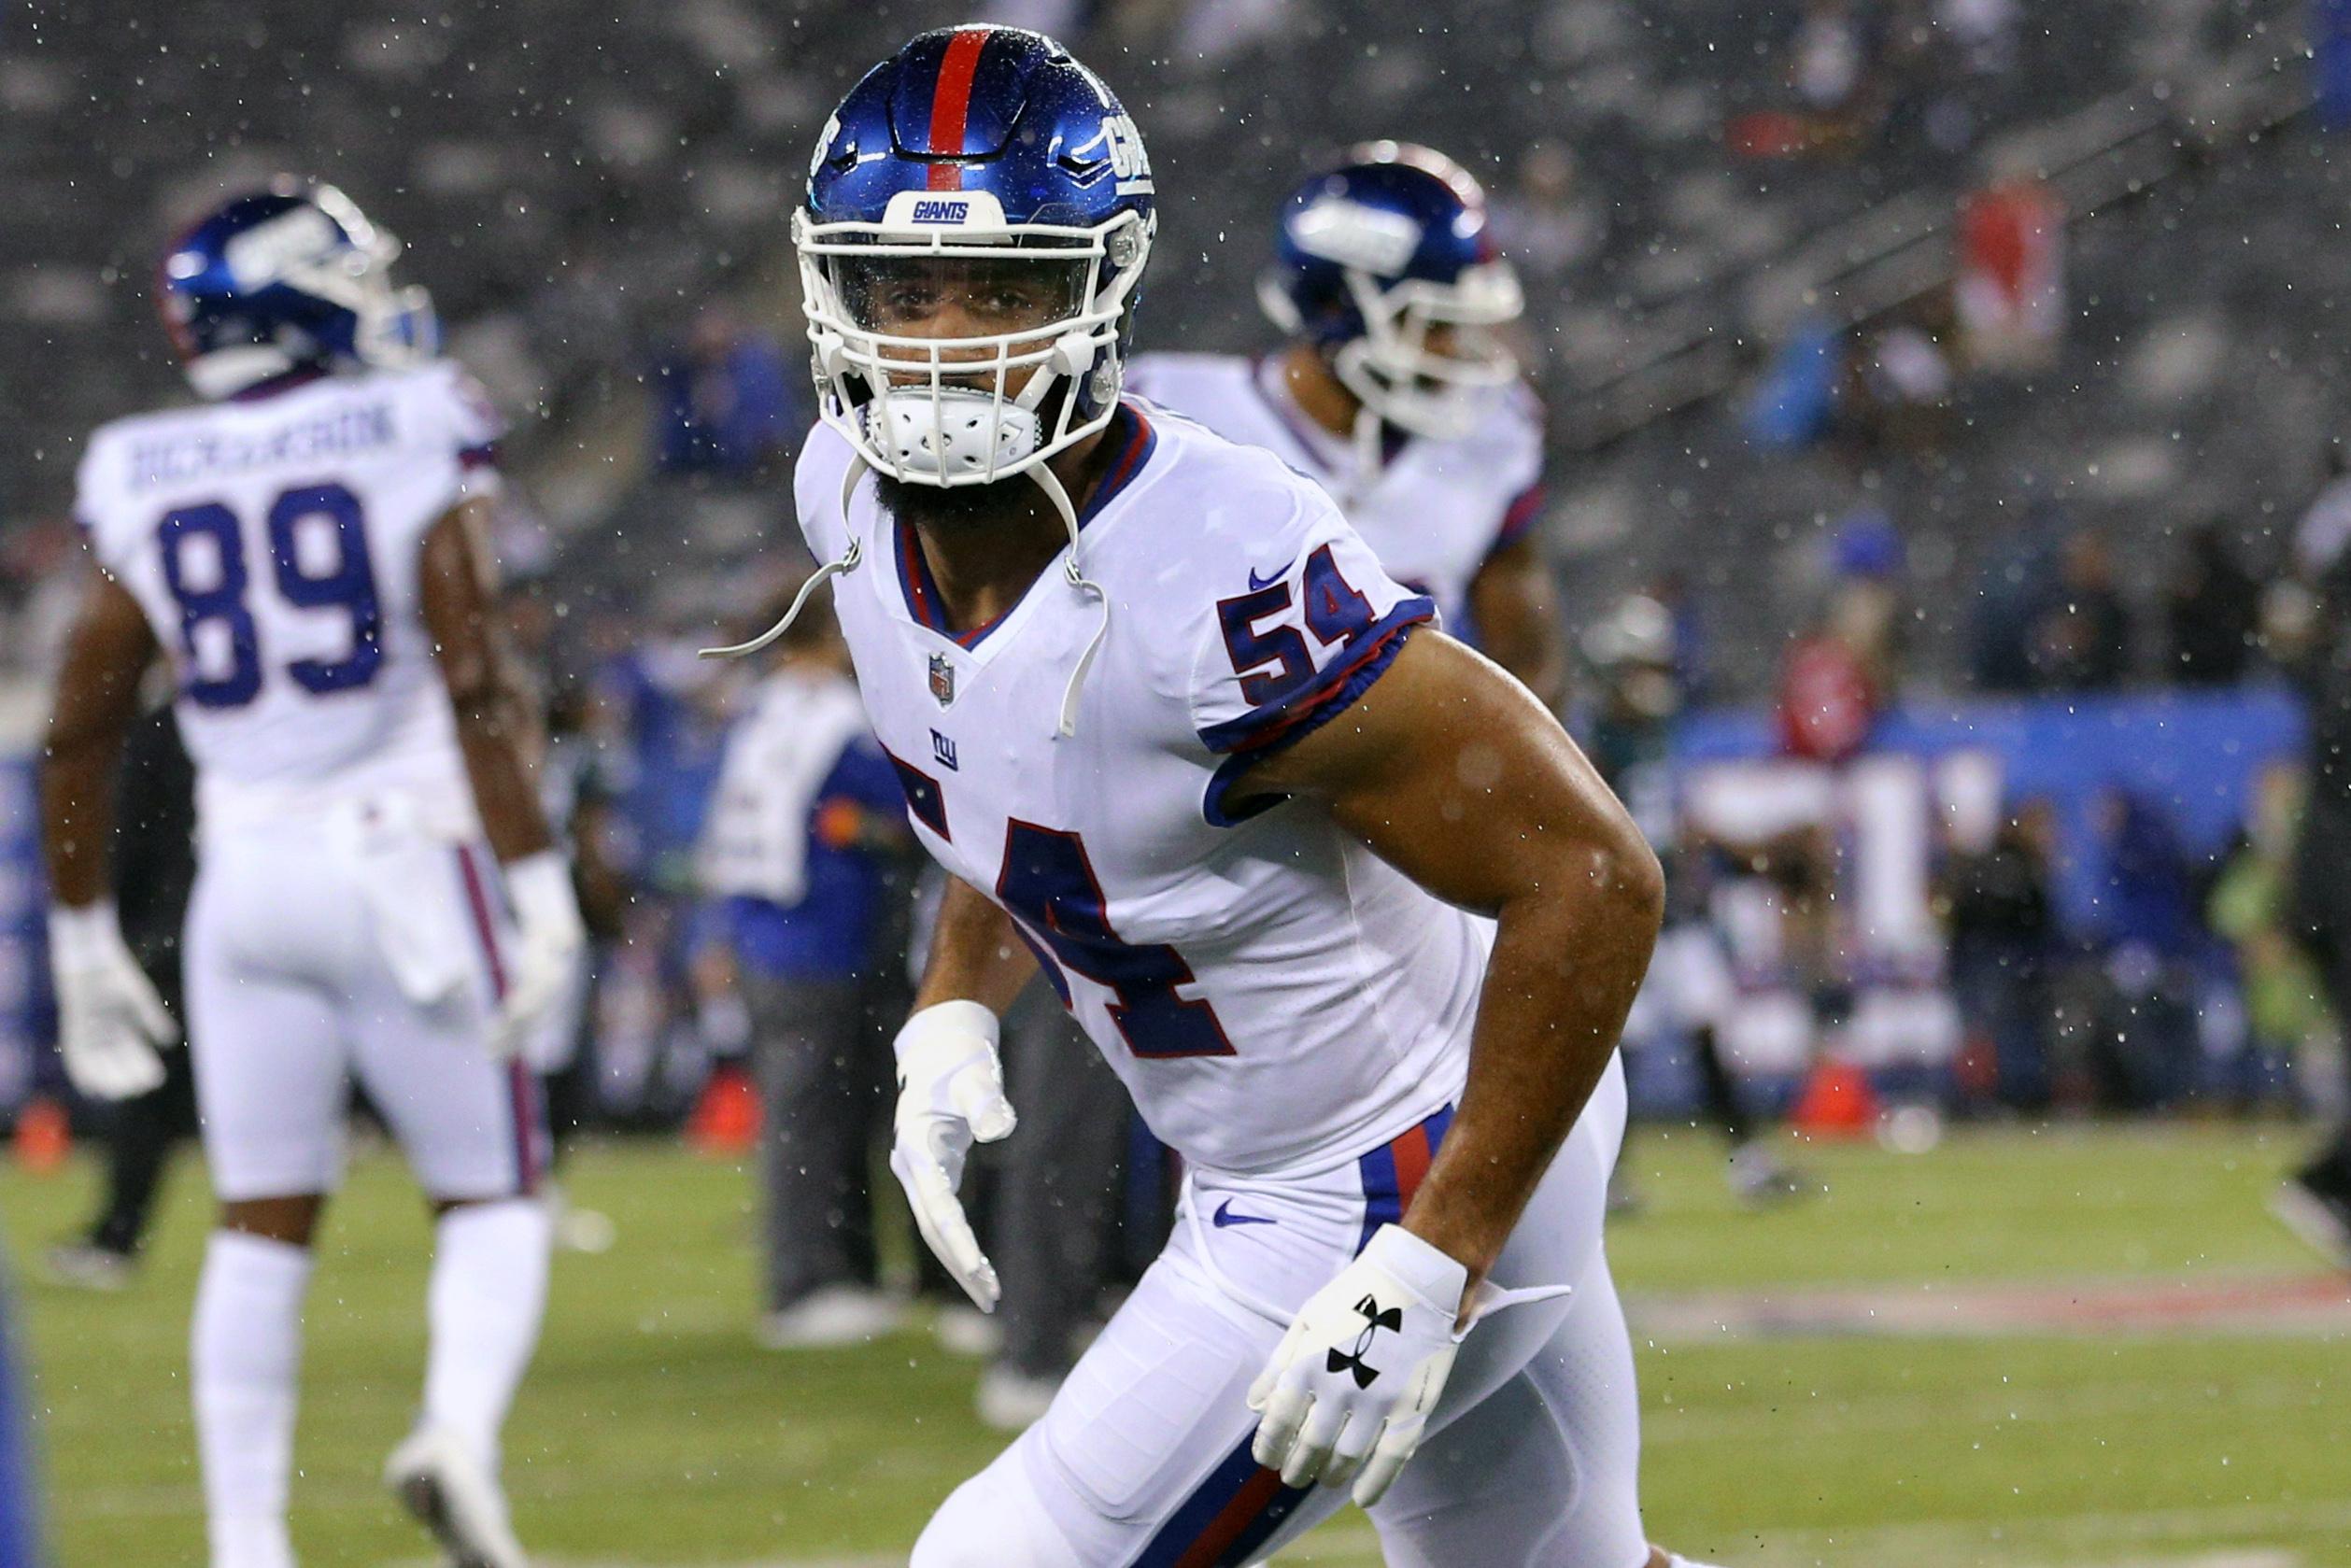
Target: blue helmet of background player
[
  {"x": 286, "y": 278},
  {"x": 1384, "y": 261},
  {"x": 979, "y": 183}
]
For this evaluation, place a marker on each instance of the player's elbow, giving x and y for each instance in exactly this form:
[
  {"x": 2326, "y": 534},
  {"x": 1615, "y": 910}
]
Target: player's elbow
[{"x": 1628, "y": 874}]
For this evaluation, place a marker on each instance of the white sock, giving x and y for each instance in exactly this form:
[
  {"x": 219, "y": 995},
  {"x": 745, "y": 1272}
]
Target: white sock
[
  {"x": 489, "y": 1290},
  {"x": 245, "y": 1347}
]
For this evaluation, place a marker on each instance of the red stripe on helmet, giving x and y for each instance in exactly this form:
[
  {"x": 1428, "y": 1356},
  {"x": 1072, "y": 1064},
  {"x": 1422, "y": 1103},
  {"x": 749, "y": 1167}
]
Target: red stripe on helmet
[{"x": 951, "y": 102}]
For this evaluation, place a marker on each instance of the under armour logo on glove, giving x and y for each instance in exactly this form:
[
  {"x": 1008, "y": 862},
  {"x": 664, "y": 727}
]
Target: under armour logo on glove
[
  {"x": 1374, "y": 1319},
  {"x": 1323, "y": 1422}
]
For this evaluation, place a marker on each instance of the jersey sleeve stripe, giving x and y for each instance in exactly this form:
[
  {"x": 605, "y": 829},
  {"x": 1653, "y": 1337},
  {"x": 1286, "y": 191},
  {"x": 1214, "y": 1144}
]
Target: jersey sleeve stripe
[
  {"x": 1316, "y": 701},
  {"x": 1235, "y": 768}
]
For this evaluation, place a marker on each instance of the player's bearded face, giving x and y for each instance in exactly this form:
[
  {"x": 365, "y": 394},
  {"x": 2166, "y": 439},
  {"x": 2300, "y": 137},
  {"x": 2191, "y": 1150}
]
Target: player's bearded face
[{"x": 967, "y": 321}]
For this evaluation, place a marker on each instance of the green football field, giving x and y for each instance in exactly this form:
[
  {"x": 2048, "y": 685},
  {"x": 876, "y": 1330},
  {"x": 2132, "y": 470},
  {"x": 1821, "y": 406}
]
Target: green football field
[{"x": 2076, "y": 1347}]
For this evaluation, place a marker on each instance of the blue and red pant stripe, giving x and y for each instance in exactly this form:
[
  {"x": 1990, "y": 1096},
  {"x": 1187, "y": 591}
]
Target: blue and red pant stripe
[
  {"x": 526, "y": 1100},
  {"x": 1393, "y": 1172},
  {"x": 1227, "y": 1517},
  {"x": 1235, "y": 1511}
]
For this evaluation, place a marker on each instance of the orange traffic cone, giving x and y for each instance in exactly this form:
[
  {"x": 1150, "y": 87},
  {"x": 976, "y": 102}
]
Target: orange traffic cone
[
  {"x": 726, "y": 1120},
  {"x": 1837, "y": 1101},
  {"x": 44, "y": 1137}
]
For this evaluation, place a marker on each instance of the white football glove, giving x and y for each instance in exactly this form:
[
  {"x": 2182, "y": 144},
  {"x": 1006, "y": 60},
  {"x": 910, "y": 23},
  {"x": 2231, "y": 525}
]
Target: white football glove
[
  {"x": 950, "y": 1095},
  {"x": 110, "y": 1020},
  {"x": 548, "y": 936},
  {"x": 1351, "y": 1384}
]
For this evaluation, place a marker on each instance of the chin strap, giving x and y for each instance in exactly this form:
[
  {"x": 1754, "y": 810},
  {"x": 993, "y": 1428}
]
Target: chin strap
[
  {"x": 841, "y": 568},
  {"x": 1368, "y": 456},
  {"x": 1050, "y": 483}
]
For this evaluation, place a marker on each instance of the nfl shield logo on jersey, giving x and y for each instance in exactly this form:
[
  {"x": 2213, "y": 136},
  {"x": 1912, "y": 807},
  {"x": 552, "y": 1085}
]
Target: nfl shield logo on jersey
[{"x": 943, "y": 679}]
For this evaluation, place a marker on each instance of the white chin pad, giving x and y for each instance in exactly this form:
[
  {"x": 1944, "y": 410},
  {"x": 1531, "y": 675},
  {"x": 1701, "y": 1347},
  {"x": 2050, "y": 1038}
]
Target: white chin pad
[{"x": 981, "y": 431}]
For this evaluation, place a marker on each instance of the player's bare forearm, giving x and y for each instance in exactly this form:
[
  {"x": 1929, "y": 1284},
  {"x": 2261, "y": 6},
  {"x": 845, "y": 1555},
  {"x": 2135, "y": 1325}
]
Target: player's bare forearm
[
  {"x": 106, "y": 653},
  {"x": 495, "y": 726},
  {"x": 1567, "y": 958},
  {"x": 1452, "y": 773},
  {"x": 1513, "y": 603},
  {"x": 975, "y": 953}
]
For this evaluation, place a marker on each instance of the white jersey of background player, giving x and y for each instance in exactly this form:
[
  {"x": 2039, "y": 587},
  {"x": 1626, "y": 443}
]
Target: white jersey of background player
[
  {"x": 1396, "y": 395},
  {"x": 306, "y": 551},
  {"x": 1109, "y": 650}
]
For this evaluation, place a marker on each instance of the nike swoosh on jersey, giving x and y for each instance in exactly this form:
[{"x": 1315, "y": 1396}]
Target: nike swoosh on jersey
[
  {"x": 1224, "y": 1217},
  {"x": 1254, "y": 585}
]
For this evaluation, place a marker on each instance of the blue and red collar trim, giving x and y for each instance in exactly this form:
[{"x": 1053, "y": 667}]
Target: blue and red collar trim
[{"x": 1130, "y": 439}]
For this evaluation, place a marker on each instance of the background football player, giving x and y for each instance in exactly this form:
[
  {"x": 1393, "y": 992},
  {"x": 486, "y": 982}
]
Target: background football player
[
  {"x": 307, "y": 548},
  {"x": 1104, "y": 652},
  {"x": 1690, "y": 991},
  {"x": 1398, "y": 392}
]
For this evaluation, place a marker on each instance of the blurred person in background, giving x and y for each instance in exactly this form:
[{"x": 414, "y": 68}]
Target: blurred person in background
[
  {"x": 1398, "y": 394},
  {"x": 725, "y": 402},
  {"x": 2212, "y": 610},
  {"x": 1688, "y": 992},
  {"x": 378, "y": 899},
  {"x": 2009, "y": 294},
  {"x": 2150, "y": 935},
  {"x": 2009, "y": 584},
  {"x": 576, "y": 791},
  {"x": 1838, "y": 678},
  {"x": 1054, "y": 1204},
  {"x": 2081, "y": 632},
  {"x": 1547, "y": 223},
  {"x": 154, "y": 869},
  {"x": 2002, "y": 936},
  {"x": 2251, "y": 908},
  {"x": 1831, "y": 67},
  {"x": 2315, "y": 1202},
  {"x": 806, "y": 845}
]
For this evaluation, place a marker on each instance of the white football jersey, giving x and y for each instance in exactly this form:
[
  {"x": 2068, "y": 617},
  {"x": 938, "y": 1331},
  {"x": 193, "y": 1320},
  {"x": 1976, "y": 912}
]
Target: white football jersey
[
  {"x": 1275, "y": 997},
  {"x": 275, "y": 544},
  {"x": 1434, "y": 511}
]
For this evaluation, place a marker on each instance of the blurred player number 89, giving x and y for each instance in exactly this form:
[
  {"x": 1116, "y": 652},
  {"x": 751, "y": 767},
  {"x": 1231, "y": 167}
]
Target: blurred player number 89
[{"x": 319, "y": 560}]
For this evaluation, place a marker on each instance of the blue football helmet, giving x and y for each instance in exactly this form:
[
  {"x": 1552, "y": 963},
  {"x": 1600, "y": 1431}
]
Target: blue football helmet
[
  {"x": 1385, "y": 262},
  {"x": 284, "y": 279},
  {"x": 978, "y": 213}
]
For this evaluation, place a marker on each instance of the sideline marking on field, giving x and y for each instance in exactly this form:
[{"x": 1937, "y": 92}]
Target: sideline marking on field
[{"x": 2315, "y": 1306}]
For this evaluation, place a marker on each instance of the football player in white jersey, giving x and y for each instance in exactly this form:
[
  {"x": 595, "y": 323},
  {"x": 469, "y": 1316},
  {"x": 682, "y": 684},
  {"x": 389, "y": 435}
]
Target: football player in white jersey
[
  {"x": 1183, "y": 744},
  {"x": 307, "y": 549},
  {"x": 1398, "y": 394}
]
